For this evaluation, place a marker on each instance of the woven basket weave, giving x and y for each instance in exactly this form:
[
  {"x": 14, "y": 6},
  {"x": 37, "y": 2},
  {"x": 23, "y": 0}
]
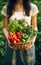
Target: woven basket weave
[{"x": 20, "y": 46}]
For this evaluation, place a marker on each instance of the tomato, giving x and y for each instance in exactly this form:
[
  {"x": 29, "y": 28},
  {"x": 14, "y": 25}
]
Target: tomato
[
  {"x": 18, "y": 40},
  {"x": 14, "y": 36},
  {"x": 11, "y": 39},
  {"x": 19, "y": 35}
]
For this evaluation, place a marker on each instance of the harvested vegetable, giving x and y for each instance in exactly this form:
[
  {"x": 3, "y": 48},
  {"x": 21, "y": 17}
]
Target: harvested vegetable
[{"x": 19, "y": 32}]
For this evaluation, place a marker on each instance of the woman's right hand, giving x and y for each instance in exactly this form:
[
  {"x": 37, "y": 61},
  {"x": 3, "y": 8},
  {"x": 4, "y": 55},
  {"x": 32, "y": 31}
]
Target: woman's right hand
[
  {"x": 12, "y": 46},
  {"x": 9, "y": 44}
]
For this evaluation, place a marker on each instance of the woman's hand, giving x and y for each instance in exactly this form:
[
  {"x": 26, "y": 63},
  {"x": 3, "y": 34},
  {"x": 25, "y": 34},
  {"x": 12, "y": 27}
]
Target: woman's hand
[
  {"x": 28, "y": 45},
  {"x": 9, "y": 44},
  {"x": 12, "y": 46}
]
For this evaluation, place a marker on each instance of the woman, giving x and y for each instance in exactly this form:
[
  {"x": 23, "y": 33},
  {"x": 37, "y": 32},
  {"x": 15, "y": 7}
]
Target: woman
[{"x": 18, "y": 9}]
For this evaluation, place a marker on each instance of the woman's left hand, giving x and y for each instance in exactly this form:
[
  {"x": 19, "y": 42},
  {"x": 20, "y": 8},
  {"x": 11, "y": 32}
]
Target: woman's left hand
[{"x": 28, "y": 45}]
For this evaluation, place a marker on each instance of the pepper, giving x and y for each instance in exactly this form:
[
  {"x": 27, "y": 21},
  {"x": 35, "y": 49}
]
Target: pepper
[
  {"x": 18, "y": 40},
  {"x": 15, "y": 37},
  {"x": 19, "y": 35}
]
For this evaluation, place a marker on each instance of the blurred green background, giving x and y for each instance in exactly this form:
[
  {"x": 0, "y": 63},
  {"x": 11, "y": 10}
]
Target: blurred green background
[{"x": 38, "y": 39}]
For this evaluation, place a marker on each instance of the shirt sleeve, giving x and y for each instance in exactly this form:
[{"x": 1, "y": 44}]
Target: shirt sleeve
[
  {"x": 34, "y": 9},
  {"x": 4, "y": 10}
]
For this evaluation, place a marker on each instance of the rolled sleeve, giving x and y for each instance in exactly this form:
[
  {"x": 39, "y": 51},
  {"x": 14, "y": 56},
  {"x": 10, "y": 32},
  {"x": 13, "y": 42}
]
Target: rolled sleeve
[{"x": 34, "y": 9}]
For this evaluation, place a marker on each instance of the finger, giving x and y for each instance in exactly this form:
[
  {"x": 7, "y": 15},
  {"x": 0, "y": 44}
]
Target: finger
[
  {"x": 10, "y": 46},
  {"x": 14, "y": 47},
  {"x": 28, "y": 46}
]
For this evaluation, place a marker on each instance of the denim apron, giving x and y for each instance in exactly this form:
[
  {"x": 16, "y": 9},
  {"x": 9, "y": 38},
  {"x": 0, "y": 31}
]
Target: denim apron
[{"x": 19, "y": 57}]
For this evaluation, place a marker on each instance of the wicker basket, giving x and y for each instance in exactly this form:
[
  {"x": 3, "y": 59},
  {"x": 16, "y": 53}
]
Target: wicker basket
[{"x": 20, "y": 46}]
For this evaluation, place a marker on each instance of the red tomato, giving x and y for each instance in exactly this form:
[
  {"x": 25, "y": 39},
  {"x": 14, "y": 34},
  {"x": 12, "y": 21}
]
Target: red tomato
[
  {"x": 11, "y": 39},
  {"x": 19, "y": 35},
  {"x": 14, "y": 36},
  {"x": 18, "y": 40}
]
